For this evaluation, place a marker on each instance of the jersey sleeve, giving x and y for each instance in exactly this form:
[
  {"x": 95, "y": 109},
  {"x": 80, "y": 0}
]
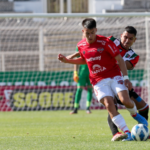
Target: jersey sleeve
[
  {"x": 114, "y": 40},
  {"x": 132, "y": 57},
  {"x": 112, "y": 49}
]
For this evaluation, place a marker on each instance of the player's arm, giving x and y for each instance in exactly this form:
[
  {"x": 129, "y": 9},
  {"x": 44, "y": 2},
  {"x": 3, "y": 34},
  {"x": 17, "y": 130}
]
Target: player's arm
[
  {"x": 124, "y": 71},
  {"x": 129, "y": 65},
  {"x": 132, "y": 60},
  {"x": 78, "y": 61},
  {"x": 76, "y": 54},
  {"x": 75, "y": 73}
]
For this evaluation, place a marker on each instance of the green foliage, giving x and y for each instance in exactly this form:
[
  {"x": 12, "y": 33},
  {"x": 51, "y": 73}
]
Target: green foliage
[{"x": 58, "y": 130}]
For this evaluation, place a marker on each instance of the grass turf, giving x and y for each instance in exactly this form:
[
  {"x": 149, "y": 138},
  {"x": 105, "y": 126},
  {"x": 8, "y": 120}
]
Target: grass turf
[{"x": 58, "y": 130}]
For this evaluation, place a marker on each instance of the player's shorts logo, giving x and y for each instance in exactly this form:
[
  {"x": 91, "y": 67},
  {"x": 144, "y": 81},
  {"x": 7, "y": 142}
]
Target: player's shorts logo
[
  {"x": 120, "y": 82},
  {"x": 96, "y": 92}
]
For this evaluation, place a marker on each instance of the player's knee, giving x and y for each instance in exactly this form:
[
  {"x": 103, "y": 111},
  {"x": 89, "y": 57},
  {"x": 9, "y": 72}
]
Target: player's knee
[
  {"x": 108, "y": 103},
  {"x": 126, "y": 101},
  {"x": 79, "y": 89},
  {"x": 90, "y": 90}
]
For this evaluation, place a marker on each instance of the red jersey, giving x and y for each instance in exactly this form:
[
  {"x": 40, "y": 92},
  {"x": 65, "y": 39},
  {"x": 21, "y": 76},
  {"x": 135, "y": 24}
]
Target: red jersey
[
  {"x": 99, "y": 57},
  {"x": 127, "y": 55}
]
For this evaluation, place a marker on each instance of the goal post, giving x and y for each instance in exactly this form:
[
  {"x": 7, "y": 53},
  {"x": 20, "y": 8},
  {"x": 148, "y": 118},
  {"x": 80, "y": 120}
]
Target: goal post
[{"x": 31, "y": 77}]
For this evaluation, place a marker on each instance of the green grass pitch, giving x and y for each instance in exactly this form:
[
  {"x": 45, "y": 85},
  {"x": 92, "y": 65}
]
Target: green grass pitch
[{"x": 58, "y": 130}]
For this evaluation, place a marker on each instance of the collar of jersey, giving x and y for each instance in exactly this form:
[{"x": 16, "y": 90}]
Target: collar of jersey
[{"x": 93, "y": 42}]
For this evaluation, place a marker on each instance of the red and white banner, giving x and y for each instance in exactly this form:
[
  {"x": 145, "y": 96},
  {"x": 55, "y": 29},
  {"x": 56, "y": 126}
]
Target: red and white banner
[{"x": 27, "y": 98}]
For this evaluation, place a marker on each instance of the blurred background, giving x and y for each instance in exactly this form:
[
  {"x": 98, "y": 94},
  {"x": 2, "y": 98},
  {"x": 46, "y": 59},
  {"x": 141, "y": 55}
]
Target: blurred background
[
  {"x": 31, "y": 77},
  {"x": 73, "y": 6}
]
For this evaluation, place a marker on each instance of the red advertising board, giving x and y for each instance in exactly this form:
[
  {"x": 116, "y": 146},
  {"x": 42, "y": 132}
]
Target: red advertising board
[{"x": 27, "y": 98}]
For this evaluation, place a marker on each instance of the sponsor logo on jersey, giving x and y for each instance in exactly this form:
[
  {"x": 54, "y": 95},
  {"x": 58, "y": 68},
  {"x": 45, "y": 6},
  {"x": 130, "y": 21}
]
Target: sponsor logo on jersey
[
  {"x": 82, "y": 44},
  {"x": 97, "y": 68},
  {"x": 94, "y": 58},
  {"x": 111, "y": 48},
  {"x": 102, "y": 42},
  {"x": 93, "y": 50},
  {"x": 100, "y": 49}
]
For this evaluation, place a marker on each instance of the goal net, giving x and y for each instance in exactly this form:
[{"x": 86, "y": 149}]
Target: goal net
[{"x": 31, "y": 77}]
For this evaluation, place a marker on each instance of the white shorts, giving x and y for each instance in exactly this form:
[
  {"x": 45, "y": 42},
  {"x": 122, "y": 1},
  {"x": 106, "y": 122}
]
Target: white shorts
[{"x": 109, "y": 87}]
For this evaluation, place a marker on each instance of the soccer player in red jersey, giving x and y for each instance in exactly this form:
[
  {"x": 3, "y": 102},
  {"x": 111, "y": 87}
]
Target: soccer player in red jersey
[
  {"x": 100, "y": 54},
  {"x": 128, "y": 37}
]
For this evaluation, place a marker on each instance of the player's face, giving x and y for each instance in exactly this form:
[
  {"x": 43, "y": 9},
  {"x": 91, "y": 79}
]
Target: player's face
[
  {"x": 90, "y": 34},
  {"x": 127, "y": 39}
]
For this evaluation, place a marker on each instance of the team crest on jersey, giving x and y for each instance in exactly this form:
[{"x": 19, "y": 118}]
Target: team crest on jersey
[
  {"x": 83, "y": 52},
  {"x": 127, "y": 56},
  {"x": 120, "y": 50},
  {"x": 100, "y": 50}
]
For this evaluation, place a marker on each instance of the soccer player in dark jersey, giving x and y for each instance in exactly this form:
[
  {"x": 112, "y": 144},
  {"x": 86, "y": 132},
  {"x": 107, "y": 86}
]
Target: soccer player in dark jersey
[
  {"x": 128, "y": 37},
  {"x": 101, "y": 54},
  {"x": 81, "y": 76}
]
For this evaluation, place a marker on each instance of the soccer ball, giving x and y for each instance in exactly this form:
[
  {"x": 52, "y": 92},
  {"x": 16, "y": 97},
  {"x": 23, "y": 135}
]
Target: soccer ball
[{"x": 140, "y": 132}]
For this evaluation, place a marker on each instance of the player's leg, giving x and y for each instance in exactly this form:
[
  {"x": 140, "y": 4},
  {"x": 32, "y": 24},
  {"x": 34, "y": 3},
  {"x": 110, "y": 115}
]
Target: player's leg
[
  {"x": 105, "y": 95},
  {"x": 89, "y": 96},
  {"x": 80, "y": 86},
  {"x": 142, "y": 106},
  {"x": 114, "y": 114},
  {"x": 113, "y": 127},
  {"x": 120, "y": 89},
  {"x": 77, "y": 100}
]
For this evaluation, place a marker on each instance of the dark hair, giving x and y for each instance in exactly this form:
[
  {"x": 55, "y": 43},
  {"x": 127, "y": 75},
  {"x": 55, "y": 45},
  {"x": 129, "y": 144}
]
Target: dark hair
[
  {"x": 89, "y": 23},
  {"x": 131, "y": 30}
]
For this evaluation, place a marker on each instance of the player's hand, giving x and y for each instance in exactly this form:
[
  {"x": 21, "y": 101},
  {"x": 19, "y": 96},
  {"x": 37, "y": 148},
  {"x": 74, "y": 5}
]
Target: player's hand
[
  {"x": 62, "y": 58},
  {"x": 75, "y": 76},
  {"x": 128, "y": 84}
]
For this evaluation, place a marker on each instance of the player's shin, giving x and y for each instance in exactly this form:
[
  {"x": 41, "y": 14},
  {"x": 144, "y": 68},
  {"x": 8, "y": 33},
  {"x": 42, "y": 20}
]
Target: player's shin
[
  {"x": 120, "y": 123},
  {"x": 144, "y": 111},
  {"x": 112, "y": 126},
  {"x": 136, "y": 116},
  {"x": 89, "y": 98}
]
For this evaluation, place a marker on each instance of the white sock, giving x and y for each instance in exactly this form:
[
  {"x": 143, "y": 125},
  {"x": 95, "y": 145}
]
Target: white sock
[
  {"x": 120, "y": 123},
  {"x": 133, "y": 110}
]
